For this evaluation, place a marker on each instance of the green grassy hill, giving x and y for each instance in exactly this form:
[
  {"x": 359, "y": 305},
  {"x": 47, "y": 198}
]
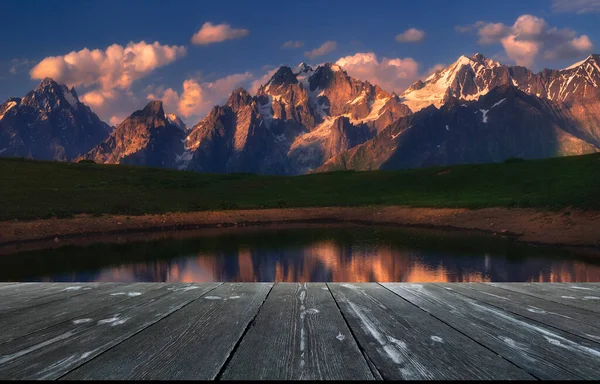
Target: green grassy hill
[{"x": 39, "y": 189}]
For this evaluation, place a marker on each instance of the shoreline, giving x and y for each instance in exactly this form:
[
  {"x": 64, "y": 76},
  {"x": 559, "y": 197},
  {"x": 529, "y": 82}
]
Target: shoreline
[{"x": 562, "y": 228}]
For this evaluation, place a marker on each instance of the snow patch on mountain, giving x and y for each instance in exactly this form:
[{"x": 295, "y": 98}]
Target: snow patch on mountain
[
  {"x": 266, "y": 111},
  {"x": 70, "y": 99},
  {"x": 176, "y": 121},
  {"x": 9, "y": 105},
  {"x": 485, "y": 116},
  {"x": 577, "y": 64},
  {"x": 435, "y": 86},
  {"x": 184, "y": 159}
]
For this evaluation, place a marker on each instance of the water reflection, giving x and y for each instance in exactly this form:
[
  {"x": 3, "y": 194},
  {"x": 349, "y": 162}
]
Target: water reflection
[{"x": 333, "y": 257}]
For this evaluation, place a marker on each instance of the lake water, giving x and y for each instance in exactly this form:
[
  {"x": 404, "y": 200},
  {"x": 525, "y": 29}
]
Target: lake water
[{"x": 300, "y": 254}]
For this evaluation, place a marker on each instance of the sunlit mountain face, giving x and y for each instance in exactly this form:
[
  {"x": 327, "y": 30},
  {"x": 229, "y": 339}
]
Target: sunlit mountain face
[
  {"x": 224, "y": 89},
  {"x": 309, "y": 255}
]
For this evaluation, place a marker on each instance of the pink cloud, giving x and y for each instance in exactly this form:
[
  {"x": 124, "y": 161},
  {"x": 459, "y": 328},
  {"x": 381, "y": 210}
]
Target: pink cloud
[
  {"x": 197, "y": 98},
  {"x": 292, "y": 44},
  {"x": 390, "y": 74},
  {"x": 411, "y": 35},
  {"x": 530, "y": 36},
  {"x": 324, "y": 49},
  {"x": 211, "y": 33},
  {"x": 115, "y": 67}
]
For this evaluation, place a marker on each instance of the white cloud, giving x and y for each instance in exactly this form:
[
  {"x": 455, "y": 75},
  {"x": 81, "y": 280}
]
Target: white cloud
[
  {"x": 324, "y": 49},
  {"x": 576, "y": 6},
  {"x": 529, "y": 37},
  {"x": 115, "y": 67},
  {"x": 211, "y": 33},
  {"x": 197, "y": 98},
  {"x": 411, "y": 35},
  {"x": 390, "y": 74},
  {"x": 292, "y": 44}
]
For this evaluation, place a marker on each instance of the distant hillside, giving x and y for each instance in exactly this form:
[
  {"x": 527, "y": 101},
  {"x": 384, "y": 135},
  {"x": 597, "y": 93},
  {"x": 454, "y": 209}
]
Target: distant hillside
[{"x": 40, "y": 189}]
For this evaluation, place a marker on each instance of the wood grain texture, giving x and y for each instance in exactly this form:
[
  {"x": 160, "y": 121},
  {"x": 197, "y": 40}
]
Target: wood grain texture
[
  {"x": 302, "y": 336},
  {"x": 406, "y": 343},
  {"x": 570, "y": 319},
  {"x": 191, "y": 344},
  {"x": 20, "y": 323},
  {"x": 543, "y": 351},
  {"x": 557, "y": 292},
  {"x": 52, "y": 352},
  {"x": 17, "y": 298}
]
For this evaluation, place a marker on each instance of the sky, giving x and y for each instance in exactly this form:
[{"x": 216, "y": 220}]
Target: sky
[{"x": 191, "y": 54}]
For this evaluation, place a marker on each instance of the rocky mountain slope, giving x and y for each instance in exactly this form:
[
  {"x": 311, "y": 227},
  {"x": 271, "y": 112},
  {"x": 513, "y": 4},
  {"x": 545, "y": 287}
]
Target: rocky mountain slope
[
  {"x": 503, "y": 123},
  {"x": 49, "y": 123},
  {"x": 478, "y": 110},
  {"x": 298, "y": 120},
  {"x": 471, "y": 77},
  {"x": 314, "y": 119},
  {"x": 147, "y": 137}
]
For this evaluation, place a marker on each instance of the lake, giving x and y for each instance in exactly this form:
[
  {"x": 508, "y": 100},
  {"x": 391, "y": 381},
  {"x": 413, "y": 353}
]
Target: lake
[{"x": 301, "y": 253}]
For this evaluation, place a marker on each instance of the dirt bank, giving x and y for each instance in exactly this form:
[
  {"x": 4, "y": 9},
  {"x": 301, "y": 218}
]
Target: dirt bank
[{"x": 563, "y": 228}]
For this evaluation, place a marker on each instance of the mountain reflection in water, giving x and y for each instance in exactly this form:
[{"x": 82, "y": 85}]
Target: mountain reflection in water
[{"x": 341, "y": 255}]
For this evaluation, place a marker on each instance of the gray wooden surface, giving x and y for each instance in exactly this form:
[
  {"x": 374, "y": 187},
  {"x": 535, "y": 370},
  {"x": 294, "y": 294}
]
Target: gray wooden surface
[
  {"x": 193, "y": 343},
  {"x": 299, "y": 331},
  {"x": 561, "y": 293},
  {"x": 405, "y": 343},
  {"x": 570, "y": 319},
  {"x": 299, "y": 328},
  {"x": 547, "y": 353}
]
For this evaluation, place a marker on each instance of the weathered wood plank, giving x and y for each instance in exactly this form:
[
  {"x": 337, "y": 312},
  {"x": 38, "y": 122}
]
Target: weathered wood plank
[
  {"x": 543, "y": 351},
  {"x": 9, "y": 288},
  {"x": 17, "y": 298},
  {"x": 570, "y": 319},
  {"x": 52, "y": 352},
  {"x": 556, "y": 292},
  {"x": 5, "y": 285},
  {"x": 193, "y": 343},
  {"x": 302, "y": 335},
  {"x": 29, "y": 320},
  {"x": 580, "y": 286},
  {"x": 404, "y": 342}
]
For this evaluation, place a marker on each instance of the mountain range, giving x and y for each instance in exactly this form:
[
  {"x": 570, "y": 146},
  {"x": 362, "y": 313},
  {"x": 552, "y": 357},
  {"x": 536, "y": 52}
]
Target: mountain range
[{"x": 308, "y": 119}]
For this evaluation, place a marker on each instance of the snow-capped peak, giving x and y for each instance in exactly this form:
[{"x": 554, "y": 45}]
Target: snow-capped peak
[
  {"x": 579, "y": 63},
  {"x": 465, "y": 78},
  {"x": 6, "y": 107},
  {"x": 176, "y": 121},
  {"x": 302, "y": 68}
]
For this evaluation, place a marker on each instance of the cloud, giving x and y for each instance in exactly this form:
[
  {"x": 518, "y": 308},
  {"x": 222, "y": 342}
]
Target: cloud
[
  {"x": 292, "y": 44},
  {"x": 114, "y": 105},
  {"x": 115, "y": 67},
  {"x": 529, "y": 37},
  {"x": 19, "y": 65},
  {"x": 197, "y": 98},
  {"x": 261, "y": 80},
  {"x": 116, "y": 120},
  {"x": 390, "y": 74},
  {"x": 576, "y": 6},
  {"x": 434, "y": 69},
  {"x": 411, "y": 35},
  {"x": 210, "y": 33},
  {"x": 324, "y": 49}
]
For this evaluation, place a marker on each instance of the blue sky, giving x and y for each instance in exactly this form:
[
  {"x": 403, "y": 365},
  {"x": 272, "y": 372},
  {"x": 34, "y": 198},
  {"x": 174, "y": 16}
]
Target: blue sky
[{"x": 561, "y": 31}]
